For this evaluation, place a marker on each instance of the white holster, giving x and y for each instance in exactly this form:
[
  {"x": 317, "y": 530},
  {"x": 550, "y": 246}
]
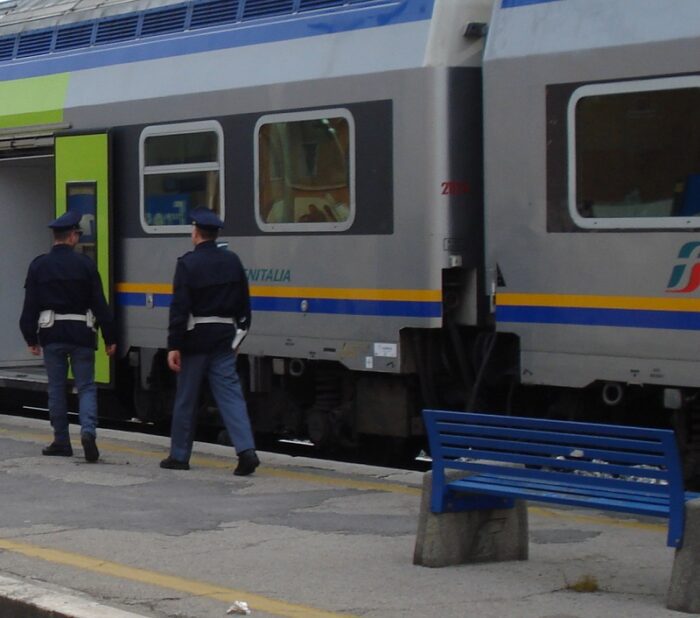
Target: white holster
[{"x": 238, "y": 339}]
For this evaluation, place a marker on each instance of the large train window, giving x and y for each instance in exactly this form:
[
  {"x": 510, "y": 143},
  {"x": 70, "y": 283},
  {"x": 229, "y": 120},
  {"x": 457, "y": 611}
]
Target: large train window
[
  {"x": 634, "y": 154},
  {"x": 182, "y": 167},
  {"x": 305, "y": 171}
]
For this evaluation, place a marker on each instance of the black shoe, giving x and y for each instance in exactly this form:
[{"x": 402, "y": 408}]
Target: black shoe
[
  {"x": 174, "y": 464},
  {"x": 247, "y": 462},
  {"x": 57, "y": 450},
  {"x": 89, "y": 447}
]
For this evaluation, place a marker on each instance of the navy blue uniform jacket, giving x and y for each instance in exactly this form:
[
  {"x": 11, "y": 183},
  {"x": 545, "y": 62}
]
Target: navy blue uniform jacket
[
  {"x": 208, "y": 281},
  {"x": 67, "y": 282}
]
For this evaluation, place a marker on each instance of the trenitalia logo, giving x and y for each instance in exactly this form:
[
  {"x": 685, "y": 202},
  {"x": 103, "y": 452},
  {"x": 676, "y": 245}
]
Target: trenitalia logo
[{"x": 685, "y": 276}]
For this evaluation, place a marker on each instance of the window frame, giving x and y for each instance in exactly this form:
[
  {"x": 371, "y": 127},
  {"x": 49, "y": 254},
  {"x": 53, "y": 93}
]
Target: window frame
[
  {"x": 319, "y": 114},
  {"x": 182, "y": 128},
  {"x": 613, "y": 88}
]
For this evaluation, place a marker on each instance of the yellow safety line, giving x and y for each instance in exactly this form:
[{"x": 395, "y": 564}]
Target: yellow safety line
[
  {"x": 256, "y": 602},
  {"x": 595, "y": 519},
  {"x": 216, "y": 463},
  {"x": 315, "y": 477}
]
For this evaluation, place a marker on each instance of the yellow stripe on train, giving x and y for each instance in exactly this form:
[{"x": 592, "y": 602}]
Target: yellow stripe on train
[
  {"x": 598, "y": 302},
  {"x": 274, "y": 291}
]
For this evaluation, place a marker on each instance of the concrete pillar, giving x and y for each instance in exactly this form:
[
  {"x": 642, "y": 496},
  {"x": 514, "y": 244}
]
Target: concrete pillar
[
  {"x": 684, "y": 589},
  {"x": 446, "y": 539}
]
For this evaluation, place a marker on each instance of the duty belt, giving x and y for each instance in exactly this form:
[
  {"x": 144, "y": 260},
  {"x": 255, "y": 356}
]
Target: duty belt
[
  {"x": 75, "y": 317},
  {"x": 192, "y": 320},
  {"x": 49, "y": 316}
]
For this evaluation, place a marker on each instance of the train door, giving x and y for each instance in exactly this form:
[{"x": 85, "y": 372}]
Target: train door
[
  {"x": 82, "y": 185},
  {"x": 26, "y": 203}
]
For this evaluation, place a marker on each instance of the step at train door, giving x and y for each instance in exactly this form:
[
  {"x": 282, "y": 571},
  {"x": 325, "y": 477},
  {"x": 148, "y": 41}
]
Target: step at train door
[{"x": 82, "y": 184}]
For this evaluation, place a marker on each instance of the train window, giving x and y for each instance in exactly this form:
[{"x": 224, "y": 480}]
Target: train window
[
  {"x": 305, "y": 171},
  {"x": 634, "y": 154},
  {"x": 182, "y": 167}
]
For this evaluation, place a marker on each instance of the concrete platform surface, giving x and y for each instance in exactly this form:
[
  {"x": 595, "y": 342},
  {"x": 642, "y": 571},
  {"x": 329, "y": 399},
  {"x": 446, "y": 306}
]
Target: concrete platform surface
[{"x": 300, "y": 538}]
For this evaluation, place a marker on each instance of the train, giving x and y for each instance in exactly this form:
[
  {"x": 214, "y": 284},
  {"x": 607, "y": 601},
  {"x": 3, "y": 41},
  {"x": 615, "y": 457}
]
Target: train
[{"x": 460, "y": 204}]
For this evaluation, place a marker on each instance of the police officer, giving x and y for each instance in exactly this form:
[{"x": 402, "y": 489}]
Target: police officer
[
  {"x": 209, "y": 314},
  {"x": 63, "y": 304}
]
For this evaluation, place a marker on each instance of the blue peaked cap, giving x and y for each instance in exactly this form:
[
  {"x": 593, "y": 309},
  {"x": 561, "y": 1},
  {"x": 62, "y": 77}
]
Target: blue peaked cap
[
  {"x": 203, "y": 217},
  {"x": 67, "y": 221}
]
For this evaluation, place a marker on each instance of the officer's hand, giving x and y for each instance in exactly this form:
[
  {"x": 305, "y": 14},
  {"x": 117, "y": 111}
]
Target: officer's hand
[
  {"x": 174, "y": 360},
  {"x": 111, "y": 350},
  {"x": 35, "y": 349}
]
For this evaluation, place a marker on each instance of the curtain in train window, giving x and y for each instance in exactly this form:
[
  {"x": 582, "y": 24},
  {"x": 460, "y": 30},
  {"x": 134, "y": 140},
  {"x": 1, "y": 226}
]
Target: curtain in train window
[
  {"x": 305, "y": 172},
  {"x": 182, "y": 169},
  {"x": 637, "y": 156}
]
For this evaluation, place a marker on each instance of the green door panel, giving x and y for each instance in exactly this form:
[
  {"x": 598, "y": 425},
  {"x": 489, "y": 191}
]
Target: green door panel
[{"x": 82, "y": 183}]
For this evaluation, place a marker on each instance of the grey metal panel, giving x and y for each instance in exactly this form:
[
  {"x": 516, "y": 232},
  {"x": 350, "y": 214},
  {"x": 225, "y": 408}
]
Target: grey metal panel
[
  {"x": 582, "y": 25},
  {"x": 447, "y": 45},
  {"x": 410, "y": 258},
  {"x": 578, "y": 370},
  {"x": 344, "y": 54}
]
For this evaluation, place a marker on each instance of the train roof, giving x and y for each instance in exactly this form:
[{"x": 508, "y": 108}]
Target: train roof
[
  {"x": 33, "y": 28},
  {"x": 40, "y": 37},
  {"x": 18, "y": 16},
  {"x": 21, "y": 15}
]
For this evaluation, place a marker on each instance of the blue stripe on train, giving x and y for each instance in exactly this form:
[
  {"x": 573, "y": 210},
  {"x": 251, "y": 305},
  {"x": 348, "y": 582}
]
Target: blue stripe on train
[
  {"x": 627, "y": 318},
  {"x": 384, "y": 308},
  {"x": 138, "y": 299}
]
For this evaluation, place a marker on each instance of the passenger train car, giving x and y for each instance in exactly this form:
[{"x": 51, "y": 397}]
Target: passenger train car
[{"x": 455, "y": 203}]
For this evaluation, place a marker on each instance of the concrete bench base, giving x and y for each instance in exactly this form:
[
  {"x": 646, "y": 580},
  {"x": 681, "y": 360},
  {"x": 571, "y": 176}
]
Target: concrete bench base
[
  {"x": 446, "y": 539},
  {"x": 684, "y": 589}
]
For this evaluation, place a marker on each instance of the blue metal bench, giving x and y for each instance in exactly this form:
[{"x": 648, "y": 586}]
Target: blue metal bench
[{"x": 615, "y": 468}]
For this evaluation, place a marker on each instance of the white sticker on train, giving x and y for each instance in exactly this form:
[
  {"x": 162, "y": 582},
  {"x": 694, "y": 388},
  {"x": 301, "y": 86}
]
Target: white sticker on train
[{"x": 388, "y": 350}]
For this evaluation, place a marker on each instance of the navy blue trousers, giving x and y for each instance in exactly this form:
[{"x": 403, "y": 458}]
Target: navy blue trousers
[
  {"x": 220, "y": 369},
  {"x": 82, "y": 362}
]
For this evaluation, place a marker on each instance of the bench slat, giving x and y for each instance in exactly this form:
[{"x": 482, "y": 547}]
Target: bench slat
[
  {"x": 633, "y": 494},
  {"x": 542, "y": 424},
  {"x": 554, "y": 450},
  {"x": 510, "y": 433},
  {"x": 547, "y": 464},
  {"x": 556, "y": 476},
  {"x": 524, "y": 493}
]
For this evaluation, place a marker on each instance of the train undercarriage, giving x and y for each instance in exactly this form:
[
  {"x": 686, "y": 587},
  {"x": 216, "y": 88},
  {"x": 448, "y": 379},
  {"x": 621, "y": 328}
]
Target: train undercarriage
[{"x": 334, "y": 409}]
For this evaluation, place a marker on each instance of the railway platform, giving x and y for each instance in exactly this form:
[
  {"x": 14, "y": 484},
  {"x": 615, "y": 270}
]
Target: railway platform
[{"x": 299, "y": 538}]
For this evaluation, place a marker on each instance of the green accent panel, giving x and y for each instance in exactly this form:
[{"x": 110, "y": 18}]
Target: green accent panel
[
  {"x": 85, "y": 159},
  {"x": 34, "y": 100}
]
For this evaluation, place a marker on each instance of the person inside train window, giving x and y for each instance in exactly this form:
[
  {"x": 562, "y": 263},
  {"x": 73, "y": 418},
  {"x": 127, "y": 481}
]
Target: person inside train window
[
  {"x": 182, "y": 170},
  {"x": 632, "y": 147},
  {"x": 63, "y": 305},
  {"x": 304, "y": 171},
  {"x": 690, "y": 196}
]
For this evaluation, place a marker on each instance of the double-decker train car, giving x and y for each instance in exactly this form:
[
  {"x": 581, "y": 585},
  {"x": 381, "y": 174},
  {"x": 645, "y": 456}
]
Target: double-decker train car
[
  {"x": 592, "y": 175},
  {"x": 339, "y": 140},
  {"x": 454, "y": 203}
]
